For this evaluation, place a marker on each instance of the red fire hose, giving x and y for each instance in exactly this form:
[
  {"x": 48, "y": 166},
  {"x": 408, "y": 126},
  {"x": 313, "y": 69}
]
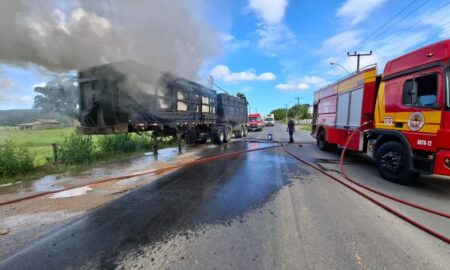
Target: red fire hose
[
  {"x": 372, "y": 199},
  {"x": 375, "y": 201},
  {"x": 402, "y": 201},
  {"x": 157, "y": 171}
]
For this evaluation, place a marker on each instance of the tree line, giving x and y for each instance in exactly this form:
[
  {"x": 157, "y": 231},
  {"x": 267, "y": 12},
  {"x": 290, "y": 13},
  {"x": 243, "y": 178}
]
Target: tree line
[{"x": 295, "y": 111}]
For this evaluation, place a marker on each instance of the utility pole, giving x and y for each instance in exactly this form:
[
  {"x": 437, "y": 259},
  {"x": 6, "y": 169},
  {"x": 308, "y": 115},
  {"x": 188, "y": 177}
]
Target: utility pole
[
  {"x": 358, "y": 56},
  {"x": 298, "y": 109},
  {"x": 286, "y": 113}
]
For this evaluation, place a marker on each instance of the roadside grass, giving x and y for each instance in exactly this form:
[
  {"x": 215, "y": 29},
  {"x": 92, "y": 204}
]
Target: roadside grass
[
  {"x": 302, "y": 127},
  {"x": 38, "y": 143},
  {"x": 305, "y": 127}
]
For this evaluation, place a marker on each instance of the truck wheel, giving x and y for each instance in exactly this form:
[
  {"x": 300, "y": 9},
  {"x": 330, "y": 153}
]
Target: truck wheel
[
  {"x": 189, "y": 138},
  {"x": 392, "y": 162},
  {"x": 239, "y": 134},
  {"x": 245, "y": 132},
  {"x": 227, "y": 136},
  {"x": 220, "y": 136},
  {"x": 323, "y": 144}
]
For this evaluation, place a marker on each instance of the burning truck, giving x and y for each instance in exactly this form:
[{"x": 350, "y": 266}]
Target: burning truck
[{"x": 127, "y": 97}]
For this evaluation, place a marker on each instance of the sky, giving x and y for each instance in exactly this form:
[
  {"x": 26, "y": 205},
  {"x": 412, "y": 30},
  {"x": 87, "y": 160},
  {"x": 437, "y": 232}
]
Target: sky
[{"x": 274, "y": 51}]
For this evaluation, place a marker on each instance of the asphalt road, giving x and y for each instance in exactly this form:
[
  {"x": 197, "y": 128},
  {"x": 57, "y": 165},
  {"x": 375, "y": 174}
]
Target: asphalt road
[{"x": 261, "y": 210}]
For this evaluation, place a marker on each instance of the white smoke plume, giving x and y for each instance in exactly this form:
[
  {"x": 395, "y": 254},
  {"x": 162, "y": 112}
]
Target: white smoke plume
[{"x": 66, "y": 35}]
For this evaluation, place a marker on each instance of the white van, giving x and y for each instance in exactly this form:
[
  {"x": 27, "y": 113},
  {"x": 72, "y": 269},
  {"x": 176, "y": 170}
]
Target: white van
[{"x": 269, "y": 120}]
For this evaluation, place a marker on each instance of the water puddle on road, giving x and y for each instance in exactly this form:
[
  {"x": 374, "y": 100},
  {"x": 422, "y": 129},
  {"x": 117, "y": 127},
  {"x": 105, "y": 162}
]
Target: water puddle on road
[
  {"x": 166, "y": 157},
  {"x": 55, "y": 182}
]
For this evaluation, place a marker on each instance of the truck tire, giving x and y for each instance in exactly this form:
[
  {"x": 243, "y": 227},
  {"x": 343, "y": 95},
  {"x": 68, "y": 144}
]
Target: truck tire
[
  {"x": 219, "y": 137},
  {"x": 245, "y": 132},
  {"x": 323, "y": 144},
  {"x": 189, "y": 137},
  {"x": 240, "y": 133},
  {"x": 393, "y": 161},
  {"x": 227, "y": 137}
]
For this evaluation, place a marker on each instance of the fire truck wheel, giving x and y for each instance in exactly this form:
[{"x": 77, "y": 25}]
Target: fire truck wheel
[
  {"x": 227, "y": 136},
  {"x": 220, "y": 136},
  {"x": 323, "y": 144},
  {"x": 392, "y": 162}
]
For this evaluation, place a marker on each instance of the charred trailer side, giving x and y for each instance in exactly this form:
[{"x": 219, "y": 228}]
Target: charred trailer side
[
  {"x": 232, "y": 115},
  {"x": 129, "y": 97}
]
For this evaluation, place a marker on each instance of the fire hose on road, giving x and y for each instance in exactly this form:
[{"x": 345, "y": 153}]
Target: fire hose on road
[
  {"x": 306, "y": 162},
  {"x": 378, "y": 192},
  {"x": 372, "y": 199},
  {"x": 379, "y": 203}
]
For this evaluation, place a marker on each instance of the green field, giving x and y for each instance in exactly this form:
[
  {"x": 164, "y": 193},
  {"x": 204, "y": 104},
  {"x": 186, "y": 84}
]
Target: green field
[{"x": 37, "y": 142}]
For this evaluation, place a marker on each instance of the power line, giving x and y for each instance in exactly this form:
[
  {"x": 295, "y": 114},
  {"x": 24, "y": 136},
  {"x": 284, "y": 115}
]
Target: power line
[
  {"x": 387, "y": 22},
  {"x": 414, "y": 24},
  {"x": 404, "y": 17},
  {"x": 434, "y": 32}
]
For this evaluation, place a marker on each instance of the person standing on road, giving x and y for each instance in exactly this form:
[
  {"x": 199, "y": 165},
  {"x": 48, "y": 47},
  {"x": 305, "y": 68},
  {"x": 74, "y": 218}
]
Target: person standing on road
[{"x": 291, "y": 129}]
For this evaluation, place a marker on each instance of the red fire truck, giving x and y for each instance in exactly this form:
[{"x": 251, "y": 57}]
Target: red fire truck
[{"x": 400, "y": 118}]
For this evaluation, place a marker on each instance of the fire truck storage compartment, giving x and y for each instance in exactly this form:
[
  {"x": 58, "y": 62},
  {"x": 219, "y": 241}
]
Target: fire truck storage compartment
[{"x": 349, "y": 109}]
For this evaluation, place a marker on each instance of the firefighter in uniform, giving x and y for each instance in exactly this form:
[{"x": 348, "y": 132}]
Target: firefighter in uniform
[{"x": 291, "y": 129}]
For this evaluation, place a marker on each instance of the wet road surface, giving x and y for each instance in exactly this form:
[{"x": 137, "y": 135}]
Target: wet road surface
[{"x": 261, "y": 210}]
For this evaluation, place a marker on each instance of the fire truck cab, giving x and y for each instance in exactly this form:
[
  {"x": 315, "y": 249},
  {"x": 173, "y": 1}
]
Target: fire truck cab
[{"x": 401, "y": 118}]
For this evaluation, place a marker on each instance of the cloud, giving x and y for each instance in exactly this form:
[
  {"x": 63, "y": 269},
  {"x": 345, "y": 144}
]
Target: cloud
[
  {"x": 342, "y": 42},
  {"x": 6, "y": 84},
  {"x": 439, "y": 20},
  {"x": 358, "y": 10},
  {"x": 5, "y": 97},
  {"x": 275, "y": 39},
  {"x": 41, "y": 84},
  {"x": 292, "y": 86},
  {"x": 222, "y": 72},
  {"x": 270, "y": 11},
  {"x": 386, "y": 49},
  {"x": 302, "y": 84},
  {"x": 7, "y": 89},
  {"x": 231, "y": 44}
]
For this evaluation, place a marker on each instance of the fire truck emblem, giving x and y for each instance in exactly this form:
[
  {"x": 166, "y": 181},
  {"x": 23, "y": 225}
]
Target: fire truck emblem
[{"x": 416, "y": 121}]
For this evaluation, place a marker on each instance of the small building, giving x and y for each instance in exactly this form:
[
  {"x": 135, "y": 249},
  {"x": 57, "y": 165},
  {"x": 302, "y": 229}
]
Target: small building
[{"x": 40, "y": 124}]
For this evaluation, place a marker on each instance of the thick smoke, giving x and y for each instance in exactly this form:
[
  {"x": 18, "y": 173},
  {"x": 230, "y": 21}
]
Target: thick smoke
[{"x": 165, "y": 34}]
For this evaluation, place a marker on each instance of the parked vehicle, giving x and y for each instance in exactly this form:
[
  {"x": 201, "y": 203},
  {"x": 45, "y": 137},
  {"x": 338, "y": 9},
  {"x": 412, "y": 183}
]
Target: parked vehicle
[
  {"x": 269, "y": 120},
  {"x": 254, "y": 122},
  {"x": 404, "y": 114},
  {"x": 129, "y": 97}
]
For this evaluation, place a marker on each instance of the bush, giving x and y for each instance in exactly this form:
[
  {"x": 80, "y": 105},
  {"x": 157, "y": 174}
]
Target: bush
[
  {"x": 124, "y": 143},
  {"x": 14, "y": 161},
  {"x": 76, "y": 149}
]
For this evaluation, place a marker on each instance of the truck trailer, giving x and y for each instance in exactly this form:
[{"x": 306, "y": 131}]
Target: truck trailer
[
  {"x": 127, "y": 97},
  {"x": 400, "y": 118}
]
